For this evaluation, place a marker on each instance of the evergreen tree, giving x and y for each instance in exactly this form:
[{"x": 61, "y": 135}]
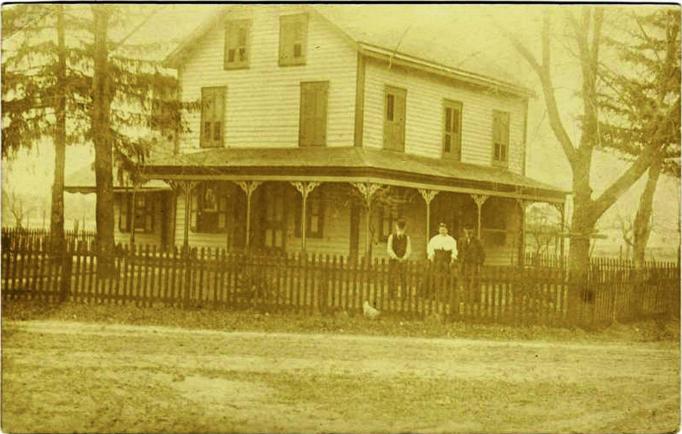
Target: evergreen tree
[
  {"x": 641, "y": 97},
  {"x": 112, "y": 96},
  {"x": 38, "y": 85}
]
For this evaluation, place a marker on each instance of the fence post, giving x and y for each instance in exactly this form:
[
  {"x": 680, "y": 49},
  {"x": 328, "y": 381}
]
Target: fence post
[{"x": 65, "y": 284}]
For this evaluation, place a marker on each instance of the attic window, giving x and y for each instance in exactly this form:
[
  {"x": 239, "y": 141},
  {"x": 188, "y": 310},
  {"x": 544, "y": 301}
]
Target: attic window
[
  {"x": 293, "y": 37},
  {"x": 237, "y": 44}
]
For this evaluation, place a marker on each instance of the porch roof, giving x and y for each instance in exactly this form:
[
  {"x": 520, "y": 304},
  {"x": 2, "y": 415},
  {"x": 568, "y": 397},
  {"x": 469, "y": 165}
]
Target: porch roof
[
  {"x": 342, "y": 164},
  {"x": 83, "y": 181}
]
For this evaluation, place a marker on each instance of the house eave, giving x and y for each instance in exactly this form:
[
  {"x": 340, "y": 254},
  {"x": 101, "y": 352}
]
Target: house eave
[{"x": 397, "y": 58}]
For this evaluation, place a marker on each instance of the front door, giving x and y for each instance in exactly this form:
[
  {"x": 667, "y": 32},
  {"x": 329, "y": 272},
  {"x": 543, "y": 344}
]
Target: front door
[{"x": 273, "y": 218}]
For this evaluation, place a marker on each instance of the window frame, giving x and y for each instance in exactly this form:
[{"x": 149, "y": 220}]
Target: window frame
[
  {"x": 496, "y": 156},
  {"x": 286, "y": 57},
  {"x": 314, "y": 196},
  {"x": 455, "y": 151},
  {"x": 218, "y": 93},
  {"x": 127, "y": 208},
  {"x": 199, "y": 212},
  {"x": 396, "y": 93},
  {"x": 385, "y": 214},
  {"x": 234, "y": 26},
  {"x": 324, "y": 90}
]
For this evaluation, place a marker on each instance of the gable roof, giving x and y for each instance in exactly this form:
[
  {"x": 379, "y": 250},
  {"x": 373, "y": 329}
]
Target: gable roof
[{"x": 443, "y": 39}]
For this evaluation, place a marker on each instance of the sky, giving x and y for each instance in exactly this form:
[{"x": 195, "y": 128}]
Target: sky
[{"x": 469, "y": 35}]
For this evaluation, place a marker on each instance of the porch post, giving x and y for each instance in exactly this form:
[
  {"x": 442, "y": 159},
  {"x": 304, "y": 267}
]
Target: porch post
[
  {"x": 136, "y": 184},
  {"x": 479, "y": 200},
  {"x": 428, "y": 196},
  {"x": 305, "y": 188},
  {"x": 248, "y": 187},
  {"x": 367, "y": 190},
  {"x": 523, "y": 204},
  {"x": 561, "y": 208},
  {"x": 187, "y": 187}
]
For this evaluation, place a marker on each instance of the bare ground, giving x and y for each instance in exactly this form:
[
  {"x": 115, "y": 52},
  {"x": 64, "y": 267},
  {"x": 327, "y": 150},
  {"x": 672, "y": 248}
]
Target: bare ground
[{"x": 61, "y": 376}]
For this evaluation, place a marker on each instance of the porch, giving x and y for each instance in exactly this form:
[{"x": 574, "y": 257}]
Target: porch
[{"x": 343, "y": 201}]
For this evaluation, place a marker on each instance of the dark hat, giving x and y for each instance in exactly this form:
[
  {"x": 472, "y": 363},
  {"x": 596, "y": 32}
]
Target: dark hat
[{"x": 401, "y": 221}]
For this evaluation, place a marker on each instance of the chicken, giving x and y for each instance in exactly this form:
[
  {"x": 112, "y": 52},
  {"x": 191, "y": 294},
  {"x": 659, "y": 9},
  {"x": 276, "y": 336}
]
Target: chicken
[{"x": 369, "y": 311}]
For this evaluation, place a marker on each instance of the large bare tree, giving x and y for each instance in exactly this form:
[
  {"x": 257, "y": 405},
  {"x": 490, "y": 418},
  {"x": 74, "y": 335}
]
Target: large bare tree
[{"x": 586, "y": 25}]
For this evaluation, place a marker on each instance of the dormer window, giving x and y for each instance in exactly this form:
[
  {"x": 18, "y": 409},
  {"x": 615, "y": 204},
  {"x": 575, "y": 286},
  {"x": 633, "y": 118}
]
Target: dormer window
[
  {"x": 500, "y": 138},
  {"x": 293, "y": 37},
  {"x": 237, "y": 44}
]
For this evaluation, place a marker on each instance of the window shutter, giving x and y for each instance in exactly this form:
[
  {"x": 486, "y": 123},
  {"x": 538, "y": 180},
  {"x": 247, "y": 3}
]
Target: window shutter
[
  {"x": 313, "y": 114},
  {"x": 149, "y": 214},
  {"x": 394, "y": 118},
  {"x": 321, "y": 99},
  {"x": 222, "y": 212},
  {"x": 124, "y": 213}
]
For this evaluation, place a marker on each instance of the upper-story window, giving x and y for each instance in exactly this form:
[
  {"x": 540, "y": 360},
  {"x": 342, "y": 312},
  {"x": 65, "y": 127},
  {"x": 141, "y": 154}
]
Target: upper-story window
[
  {"x": 212, "y": 116},
  {"x": 208, "y": 209},
  {"x": 452, "y": 129},
  {"x": 394, "y": 118},
  {"x": 313, "y": 114},
  {"x": 293, "y": 39},
  {"x": 237, "y": 44},
  {"x": 143, "y": 210},
  {"x": 500, "y": 137}
]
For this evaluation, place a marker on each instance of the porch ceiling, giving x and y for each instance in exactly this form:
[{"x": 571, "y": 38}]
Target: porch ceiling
[{"x": 344, "y": 163}]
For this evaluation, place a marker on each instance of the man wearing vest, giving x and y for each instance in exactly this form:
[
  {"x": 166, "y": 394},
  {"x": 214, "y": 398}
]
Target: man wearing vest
[
  {"x": 472, "y": 257},
  {"x": 399, "y": 249}
]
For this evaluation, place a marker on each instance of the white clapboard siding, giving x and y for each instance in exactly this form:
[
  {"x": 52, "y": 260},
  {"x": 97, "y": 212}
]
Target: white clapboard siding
[
  {"x": 424, "y": 124},
  {"x": 262, "y": 103}
]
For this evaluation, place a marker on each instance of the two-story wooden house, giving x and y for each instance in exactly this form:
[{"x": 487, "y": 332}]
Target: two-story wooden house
[{"x": 310, "y": 136}]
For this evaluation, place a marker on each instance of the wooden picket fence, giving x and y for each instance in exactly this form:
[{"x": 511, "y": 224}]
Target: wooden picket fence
[{"x": 316, "y": 284}]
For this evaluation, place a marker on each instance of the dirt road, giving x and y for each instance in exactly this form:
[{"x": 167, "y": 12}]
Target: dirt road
[{"x": 60, "y": 376}]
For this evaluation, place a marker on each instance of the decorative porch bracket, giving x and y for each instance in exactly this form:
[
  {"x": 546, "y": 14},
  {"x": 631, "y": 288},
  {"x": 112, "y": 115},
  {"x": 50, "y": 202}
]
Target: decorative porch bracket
[
  {"x": 479, "y": 200},
  {"x": 428, "y": 196},
  {"x": 305, "y": 188},
  {"x": 248, "y": 187},
  {"x": 367, "y": 190}
]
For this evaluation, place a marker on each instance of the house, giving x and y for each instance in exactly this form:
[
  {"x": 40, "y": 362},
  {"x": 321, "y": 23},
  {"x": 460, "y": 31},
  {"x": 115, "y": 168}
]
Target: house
[{"x": 314, "y": 136}]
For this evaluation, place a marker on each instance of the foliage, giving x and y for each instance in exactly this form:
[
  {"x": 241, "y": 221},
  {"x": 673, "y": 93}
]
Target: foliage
[{"x": 643, "y": 93}]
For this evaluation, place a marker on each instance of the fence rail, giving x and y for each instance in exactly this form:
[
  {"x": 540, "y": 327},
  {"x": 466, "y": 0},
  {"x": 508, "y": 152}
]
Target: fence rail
[{"x": 327, "y": 284}]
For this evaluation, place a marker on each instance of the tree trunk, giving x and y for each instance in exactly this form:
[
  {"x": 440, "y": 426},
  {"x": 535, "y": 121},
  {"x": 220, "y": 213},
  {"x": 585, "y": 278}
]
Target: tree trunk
[
  {"x": 582, "y": 226},
  {"x": 101, "y": 136},
  {"x": 57, "y": 212},
  {"x": 642, "y": 223}
]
